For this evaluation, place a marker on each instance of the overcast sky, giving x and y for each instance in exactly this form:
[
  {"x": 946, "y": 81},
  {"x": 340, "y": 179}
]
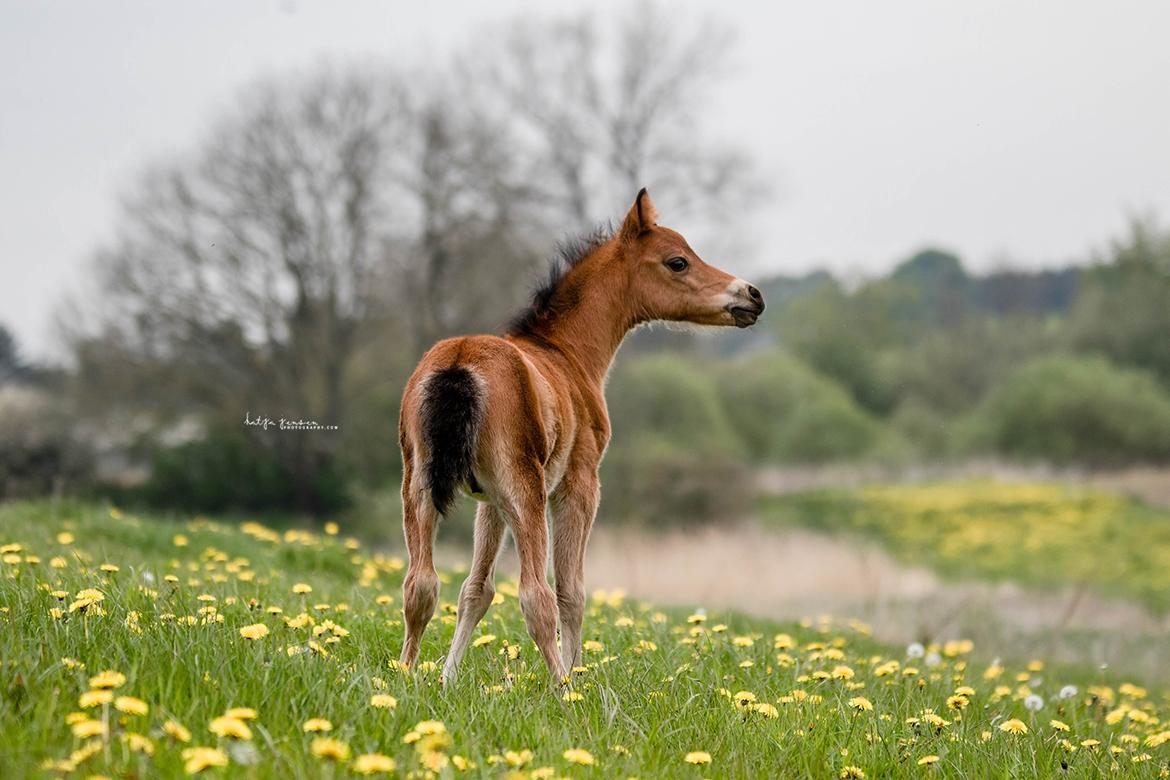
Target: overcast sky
[{"x": 1008, "y": 131}]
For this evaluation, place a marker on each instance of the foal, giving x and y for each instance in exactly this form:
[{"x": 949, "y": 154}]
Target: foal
[{"x": 519, "y": 422}]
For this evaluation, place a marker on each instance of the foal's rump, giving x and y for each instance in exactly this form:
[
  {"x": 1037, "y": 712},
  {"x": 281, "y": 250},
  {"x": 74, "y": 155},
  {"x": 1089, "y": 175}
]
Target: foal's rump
[{"x": 470, "y": 401}]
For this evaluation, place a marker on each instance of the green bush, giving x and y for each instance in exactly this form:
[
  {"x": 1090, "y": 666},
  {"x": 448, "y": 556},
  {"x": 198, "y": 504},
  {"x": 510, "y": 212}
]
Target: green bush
[
  {"x": 786, "y": 412},
  {"x": 226, "y": 470},
  {"x": 1077, "y": 409},
  {"x": 660, "y": 485},
  {"x": 40, "y": 451},
  {"x": 675, "y": 458},
  {"x": 670, "y": 400}
]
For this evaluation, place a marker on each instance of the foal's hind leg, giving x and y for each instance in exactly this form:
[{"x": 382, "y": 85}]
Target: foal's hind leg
[
  {"x": 537, "y": 602},
  {"x": 420, "y": 589},
  {"x": 574, "y": 505},
  {"x": 478, "y": 589}
]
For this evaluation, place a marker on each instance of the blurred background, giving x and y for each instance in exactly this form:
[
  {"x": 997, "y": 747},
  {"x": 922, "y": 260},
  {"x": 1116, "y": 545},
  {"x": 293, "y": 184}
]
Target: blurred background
[{"x": 954, "y": 417}]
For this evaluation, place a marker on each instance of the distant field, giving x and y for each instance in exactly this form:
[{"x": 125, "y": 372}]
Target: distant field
[
  {"x": 139, "y": 648},
  {"x": 1035, "y": 534}
]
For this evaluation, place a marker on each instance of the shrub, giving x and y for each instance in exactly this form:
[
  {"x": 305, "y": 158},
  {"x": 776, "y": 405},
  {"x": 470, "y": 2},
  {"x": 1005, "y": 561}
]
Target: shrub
[
  {"x": 660, "y": 485},
  {"x": 39, "y": 451},
  {"x": 226, "y": 470},
  {"x": 675, "y": 456},
  {"x": 1076, "y": 409},
  {"x": 667, "y": 399},
  {"x": 786, "y": 412}
]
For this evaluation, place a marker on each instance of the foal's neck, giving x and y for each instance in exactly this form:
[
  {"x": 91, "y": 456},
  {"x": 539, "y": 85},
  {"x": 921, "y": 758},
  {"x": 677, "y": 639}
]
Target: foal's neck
[{"x": 590, "y": 331}]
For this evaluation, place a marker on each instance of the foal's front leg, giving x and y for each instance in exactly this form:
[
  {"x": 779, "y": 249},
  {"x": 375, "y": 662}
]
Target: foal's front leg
[{"x": 574, "y": 507}]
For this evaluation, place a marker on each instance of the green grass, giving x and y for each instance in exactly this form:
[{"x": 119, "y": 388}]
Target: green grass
[
  {"x": 1043, "y": 535},
  {"x": 657, "y": 687}
]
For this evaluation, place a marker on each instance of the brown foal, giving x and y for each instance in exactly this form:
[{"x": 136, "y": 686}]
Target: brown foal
[{"x": 520, "y": 423}]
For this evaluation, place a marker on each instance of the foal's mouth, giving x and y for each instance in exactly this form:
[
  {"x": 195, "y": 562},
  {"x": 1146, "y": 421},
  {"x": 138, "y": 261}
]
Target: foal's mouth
[{"x": 745, "y": 316}]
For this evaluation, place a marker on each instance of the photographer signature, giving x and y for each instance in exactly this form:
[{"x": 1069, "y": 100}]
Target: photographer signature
[{"x": 264, "y": 422}]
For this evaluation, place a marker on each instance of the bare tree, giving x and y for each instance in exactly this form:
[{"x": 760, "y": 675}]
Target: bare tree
[
  {"x": 473, "y": 236},
  {"x": 242, "y": 275},
  {"x": 605, "y": 111}
]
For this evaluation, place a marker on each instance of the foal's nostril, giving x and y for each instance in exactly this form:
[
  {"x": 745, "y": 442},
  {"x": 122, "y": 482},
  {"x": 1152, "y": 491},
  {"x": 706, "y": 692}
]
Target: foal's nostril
[{"x": 754, "y": 294}]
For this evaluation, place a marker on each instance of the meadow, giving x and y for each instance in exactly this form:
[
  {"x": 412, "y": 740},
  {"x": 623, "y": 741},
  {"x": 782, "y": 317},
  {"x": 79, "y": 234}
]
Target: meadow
[
  {"x": 147, "y": 647},
  {"x": 1037, "y": 534}
]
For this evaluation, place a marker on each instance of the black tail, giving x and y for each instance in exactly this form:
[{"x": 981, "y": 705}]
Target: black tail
[{"x": 451, "y": 413}]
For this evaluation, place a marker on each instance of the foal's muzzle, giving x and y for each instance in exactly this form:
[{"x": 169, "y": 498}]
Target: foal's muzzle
[{"x": 747, "y": 307}]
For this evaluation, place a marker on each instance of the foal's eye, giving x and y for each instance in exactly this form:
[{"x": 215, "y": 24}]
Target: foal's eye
[{"x": 677, "y": 264}]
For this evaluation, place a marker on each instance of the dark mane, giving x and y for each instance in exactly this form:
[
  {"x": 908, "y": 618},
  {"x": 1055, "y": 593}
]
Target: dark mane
[{"x": 546, "y": 303}]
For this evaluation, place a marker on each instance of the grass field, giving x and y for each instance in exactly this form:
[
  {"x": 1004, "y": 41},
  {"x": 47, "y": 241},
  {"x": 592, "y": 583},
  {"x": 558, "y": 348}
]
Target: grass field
[
  {"x": 1034, "y": 534},
  {"x": 139, "y": 648}
]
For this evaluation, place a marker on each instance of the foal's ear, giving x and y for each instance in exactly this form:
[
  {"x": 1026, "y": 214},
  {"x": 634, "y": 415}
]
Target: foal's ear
[{"x": 641, "y": 217}]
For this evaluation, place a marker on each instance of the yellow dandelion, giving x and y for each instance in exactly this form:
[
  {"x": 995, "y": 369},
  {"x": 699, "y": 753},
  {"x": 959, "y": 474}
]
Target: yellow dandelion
[
  {"x": 197, "y": 759},
  {"x": 517, "y": 759},
  {"x": 94, "y": 698},
  {"x": 957, "y": 702},
  {"x": 486, "y": 639},
  {"x": 241, "y": 713},
  {"x": 861, "y": 704},
  {"x": 138, "y": 743},
  {"x": 254, "y": 631},
  {"x": 852, "y": 773},
  {"x": 230, "y": 727},
  {"x": 316, "y": 724},
  {"x": 429, "y": 727},
  {"x": 743, "y": 698},
  {"x": 927, "y": 760},
  {"x": 327, "y": 747},
  {"x": 767, "y": 710},
  {"x": 433, "y": 760},
  {"x": 697, "y": 757},
  {"x": 383, "y": 701},
  {"x": 572, "y": 696},
  {"x": 302, "y": 587},
  {"x": 1059, "y": 725},
  {"x": 373, "y": 763},
  {"x": 131, "y": 705},
  {"x": 1014, "y": 726},
  {"x": 579, "y": 756},
  {"x": 107, "y": 679},
  {"x": 177, "y": 731},
  {"x": 84, "y": 729}
]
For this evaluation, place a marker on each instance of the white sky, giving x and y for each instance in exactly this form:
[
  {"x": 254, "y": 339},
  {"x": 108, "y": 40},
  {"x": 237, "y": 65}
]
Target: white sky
[{"x": 1008, "y": 131}]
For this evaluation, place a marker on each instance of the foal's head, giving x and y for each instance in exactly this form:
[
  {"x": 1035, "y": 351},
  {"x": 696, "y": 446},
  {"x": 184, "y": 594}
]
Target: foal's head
[{"x": 668, "y": 281}]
